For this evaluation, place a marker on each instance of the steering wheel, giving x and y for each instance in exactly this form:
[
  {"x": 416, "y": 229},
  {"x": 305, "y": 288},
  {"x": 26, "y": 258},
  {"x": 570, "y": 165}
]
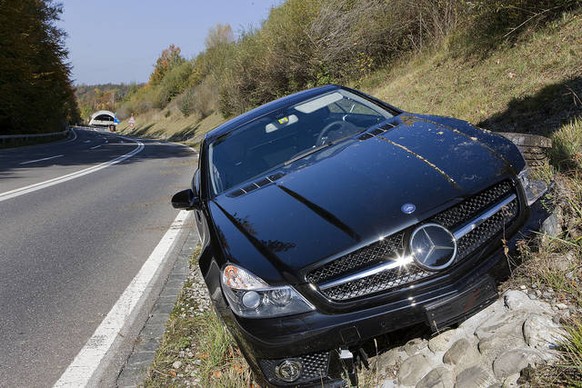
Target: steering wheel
[{"x": 333, "y": 131}]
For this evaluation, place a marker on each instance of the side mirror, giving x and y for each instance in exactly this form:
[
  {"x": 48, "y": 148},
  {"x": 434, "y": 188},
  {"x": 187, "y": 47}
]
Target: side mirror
[{"x": 185, "y": 199}]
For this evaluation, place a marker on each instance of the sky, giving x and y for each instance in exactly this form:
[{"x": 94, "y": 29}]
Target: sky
[{"x": 118, "y": 41}]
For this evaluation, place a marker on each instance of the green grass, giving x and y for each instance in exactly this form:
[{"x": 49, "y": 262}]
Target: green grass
[
  {"x": 573, "y": 351},
  {"x": 200, "y": 343}
]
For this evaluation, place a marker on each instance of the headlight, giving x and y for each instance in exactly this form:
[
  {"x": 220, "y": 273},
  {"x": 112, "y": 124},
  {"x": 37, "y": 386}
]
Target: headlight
[
  {"x": 533, "y": 189},
  {"x": 251, "y": 297}
]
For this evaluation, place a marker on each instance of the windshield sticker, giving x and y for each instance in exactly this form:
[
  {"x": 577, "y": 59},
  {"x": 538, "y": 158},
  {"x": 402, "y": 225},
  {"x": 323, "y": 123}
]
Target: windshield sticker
[
  {"x": 319, "y": 103},
  {"x": 280, "y": 123}
]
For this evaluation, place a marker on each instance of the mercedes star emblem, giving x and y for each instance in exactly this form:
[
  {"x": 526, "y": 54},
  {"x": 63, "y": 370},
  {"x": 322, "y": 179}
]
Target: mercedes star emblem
[
  {"x": 433, "y": 247},
  {"x": 408, "y": 208}
]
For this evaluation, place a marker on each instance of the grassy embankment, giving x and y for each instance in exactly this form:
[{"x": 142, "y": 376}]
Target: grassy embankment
[{"x": 534, "y": 86}]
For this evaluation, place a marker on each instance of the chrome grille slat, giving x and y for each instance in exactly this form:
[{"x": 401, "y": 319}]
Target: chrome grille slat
[
  {"x": 388, "y": 248},
  {"x": 474, "y": 223}
]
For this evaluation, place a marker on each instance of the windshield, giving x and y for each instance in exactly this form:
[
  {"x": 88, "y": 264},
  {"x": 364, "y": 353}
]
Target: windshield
[{"x": 287, "y": 135}]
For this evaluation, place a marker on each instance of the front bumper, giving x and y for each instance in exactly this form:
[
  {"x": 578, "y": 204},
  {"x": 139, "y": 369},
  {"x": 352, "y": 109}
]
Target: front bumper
[{"x": 314, "y": 339}]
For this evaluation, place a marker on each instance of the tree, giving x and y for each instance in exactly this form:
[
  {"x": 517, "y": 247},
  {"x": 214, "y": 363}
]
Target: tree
[
  {"x": 169, "y": 58},
  {"x": 219, "y": 35},
  {"x": 36, "y": 94}
]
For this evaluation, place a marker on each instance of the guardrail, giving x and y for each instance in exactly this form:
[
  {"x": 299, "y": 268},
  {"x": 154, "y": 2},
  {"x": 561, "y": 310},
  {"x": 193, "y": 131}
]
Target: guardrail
[{"x": 25, "y": 137}]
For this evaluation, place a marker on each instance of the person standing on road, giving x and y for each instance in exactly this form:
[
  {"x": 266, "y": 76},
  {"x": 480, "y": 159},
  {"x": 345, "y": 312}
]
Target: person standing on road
[{"x": 131, "y": 121}]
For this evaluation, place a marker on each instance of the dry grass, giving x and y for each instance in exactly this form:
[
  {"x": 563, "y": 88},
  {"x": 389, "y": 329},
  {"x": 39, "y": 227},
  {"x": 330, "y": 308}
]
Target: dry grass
[
  {"x": 567, "y": 147},
  {"x": 197, "y": 350},
  {"x": 206, "y": 352},
  {"x": 513, "y": 80},
  {"x": 170, "y": 124},
  {"x": 554, "y": 264}
]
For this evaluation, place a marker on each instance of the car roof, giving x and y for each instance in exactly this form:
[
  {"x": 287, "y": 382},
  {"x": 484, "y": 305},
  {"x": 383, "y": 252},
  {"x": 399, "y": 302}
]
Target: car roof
[{"x": 262, "y": 110}]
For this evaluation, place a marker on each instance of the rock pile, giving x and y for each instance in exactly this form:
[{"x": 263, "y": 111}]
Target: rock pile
[{"x": 489, "y": 349}]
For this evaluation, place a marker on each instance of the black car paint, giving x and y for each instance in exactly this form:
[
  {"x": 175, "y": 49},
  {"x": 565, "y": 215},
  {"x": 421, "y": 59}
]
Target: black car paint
[
  {"x": 369, "y": 175},
  {"x": 336, "y": 201}
]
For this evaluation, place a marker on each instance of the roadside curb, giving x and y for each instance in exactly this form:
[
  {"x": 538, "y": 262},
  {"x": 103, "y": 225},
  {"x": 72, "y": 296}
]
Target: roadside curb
[{"x": 136, "y": 367}]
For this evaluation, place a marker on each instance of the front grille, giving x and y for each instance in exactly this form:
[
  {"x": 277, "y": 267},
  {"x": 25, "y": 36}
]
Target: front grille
[
  {"x": 376, "y": 283},
  {"x": 471, "y": 207},
  {"x": 330, "y": 277},
  {"x": 357, "y": 260},
  {"x": 472, "y": 241},
  {"x": 315, "y": 367}
]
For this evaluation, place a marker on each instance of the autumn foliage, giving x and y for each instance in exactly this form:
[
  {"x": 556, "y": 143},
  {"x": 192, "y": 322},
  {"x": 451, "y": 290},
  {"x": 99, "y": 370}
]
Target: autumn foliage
[
  {"x": 169, "y": 58},
  {"x": 305, "y": 43}
]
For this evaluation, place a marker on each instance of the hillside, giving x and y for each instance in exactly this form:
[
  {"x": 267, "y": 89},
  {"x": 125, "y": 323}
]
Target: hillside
[
  {"x": 91, "y": 98},
  {"x": 532, "y": 86}
]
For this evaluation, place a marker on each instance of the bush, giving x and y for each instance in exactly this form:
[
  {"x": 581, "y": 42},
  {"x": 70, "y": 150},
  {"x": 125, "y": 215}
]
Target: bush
[
  {"x": 173, "y": 83},
  {"x": 378, "y": 32},
  {"x": 491, "y": 23},
  {"x": 270, "y": 62},
  {"x": 240, "y": 79},
  {"x": 308, "y": 43},
  {"x": 201, "y": 100},
  {"x": 143, "y": 100}
]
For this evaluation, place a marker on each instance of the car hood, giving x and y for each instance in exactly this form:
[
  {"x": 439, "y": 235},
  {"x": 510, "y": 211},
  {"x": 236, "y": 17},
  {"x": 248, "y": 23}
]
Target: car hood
[{"x": 351, "y": 194}]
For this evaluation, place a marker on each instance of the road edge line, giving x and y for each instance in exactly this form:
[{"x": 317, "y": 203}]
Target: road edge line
[
  {"x": 77, "y": 174},
  {"x": 91, "y": 363}
]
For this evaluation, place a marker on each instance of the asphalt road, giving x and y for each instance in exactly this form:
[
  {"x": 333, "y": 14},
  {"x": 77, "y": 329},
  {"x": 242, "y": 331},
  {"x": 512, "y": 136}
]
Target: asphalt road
[{"x": 68, "y": 251}]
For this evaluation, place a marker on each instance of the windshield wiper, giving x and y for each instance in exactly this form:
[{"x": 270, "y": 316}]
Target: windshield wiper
[{"x": 308, "y": 152}]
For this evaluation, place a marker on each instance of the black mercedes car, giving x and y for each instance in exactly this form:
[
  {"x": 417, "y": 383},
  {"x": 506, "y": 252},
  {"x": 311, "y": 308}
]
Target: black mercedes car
[{"x": 328, "y": 218}]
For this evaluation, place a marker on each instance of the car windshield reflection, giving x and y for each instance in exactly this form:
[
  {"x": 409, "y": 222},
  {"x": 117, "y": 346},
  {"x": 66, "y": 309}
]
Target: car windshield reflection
[{"x": 287, "y": 135}]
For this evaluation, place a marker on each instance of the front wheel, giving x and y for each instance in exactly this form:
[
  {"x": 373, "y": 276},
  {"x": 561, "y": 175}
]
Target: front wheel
[{"x": 532, "y": 147}]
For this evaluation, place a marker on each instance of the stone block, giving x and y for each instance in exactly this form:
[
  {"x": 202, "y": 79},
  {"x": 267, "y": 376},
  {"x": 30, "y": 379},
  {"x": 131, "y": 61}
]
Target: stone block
[
  {"x": 542, "y": 333},
  {"x": 441, "y": 342},
  {"x": 513, "y": 361},
  {"x": 439, "y": 377},
  {"x": 475, "y": 377},
  {"x": 462, "y": 354},
  {"x": 415, "y": 345},
  {"x": 414, "y": 369}
]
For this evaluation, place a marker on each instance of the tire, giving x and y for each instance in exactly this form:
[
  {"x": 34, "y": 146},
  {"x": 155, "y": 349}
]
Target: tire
[{"x": 532, "y": 147}]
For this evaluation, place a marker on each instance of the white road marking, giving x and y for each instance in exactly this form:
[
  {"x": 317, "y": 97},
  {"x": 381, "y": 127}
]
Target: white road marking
[
  {"x": 83, "y": 368},
  {"x": 41, "y": 160},
  {"x": 74, "y": 136},
  {"x": 95, "y": 147},
  {"x": 55, "y": 181}
]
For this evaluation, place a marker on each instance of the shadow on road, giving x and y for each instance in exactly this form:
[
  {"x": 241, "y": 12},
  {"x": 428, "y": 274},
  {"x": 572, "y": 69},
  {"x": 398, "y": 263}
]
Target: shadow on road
[{"x": 90, "y": 148}]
